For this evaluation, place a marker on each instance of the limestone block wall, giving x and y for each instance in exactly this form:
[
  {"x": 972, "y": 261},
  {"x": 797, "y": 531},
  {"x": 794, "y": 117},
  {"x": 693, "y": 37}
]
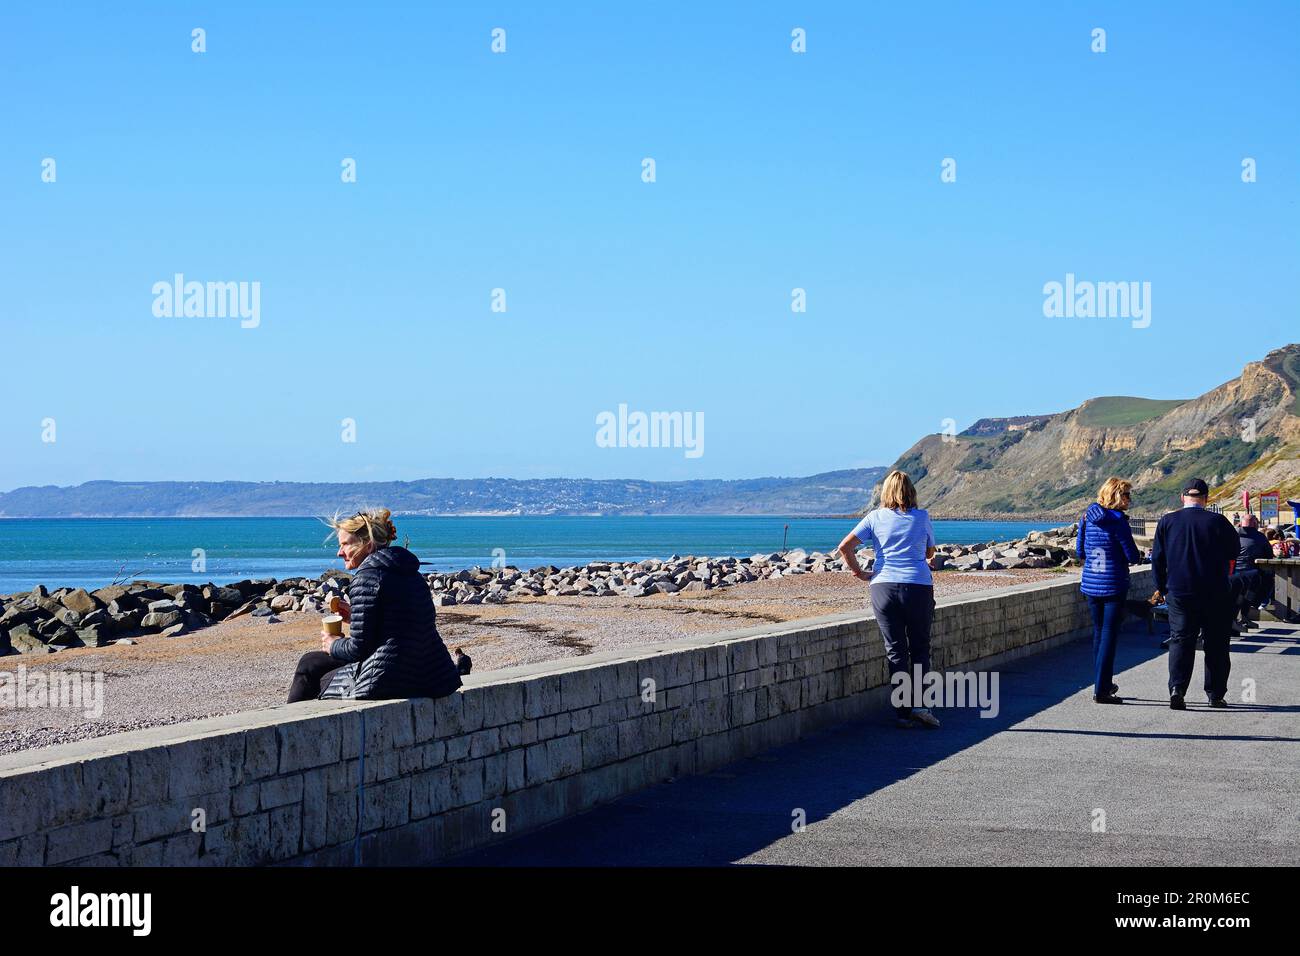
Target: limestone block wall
[{"x": 415, "y": 781}]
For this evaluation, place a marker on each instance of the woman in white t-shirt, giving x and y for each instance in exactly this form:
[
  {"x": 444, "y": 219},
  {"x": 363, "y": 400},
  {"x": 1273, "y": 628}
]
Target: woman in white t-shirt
[{"x": 902, "y": 589}]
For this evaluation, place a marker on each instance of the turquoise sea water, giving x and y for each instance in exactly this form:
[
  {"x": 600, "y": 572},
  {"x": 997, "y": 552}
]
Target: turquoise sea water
[{"x": 92, "y": 552}]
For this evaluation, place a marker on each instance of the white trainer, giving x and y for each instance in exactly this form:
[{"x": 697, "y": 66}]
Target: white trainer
[{"x": 922, "y": 716}]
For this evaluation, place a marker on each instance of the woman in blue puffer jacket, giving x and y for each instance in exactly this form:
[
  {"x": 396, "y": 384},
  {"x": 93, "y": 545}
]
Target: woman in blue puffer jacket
[{"x": 1106, "y": 548}]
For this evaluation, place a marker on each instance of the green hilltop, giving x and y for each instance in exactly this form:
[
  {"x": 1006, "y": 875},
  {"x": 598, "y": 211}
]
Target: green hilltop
[{"x": 1118, "y": 411}]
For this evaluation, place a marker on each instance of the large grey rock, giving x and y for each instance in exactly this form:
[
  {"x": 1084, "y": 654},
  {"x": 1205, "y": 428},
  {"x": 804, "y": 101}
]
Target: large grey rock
[
  {"x": 246, "y": 608},
  {"x": 192, "y": 601},
  {"x": 14, "y": 615},
  {"x": 161, "y": 620},
  {"x": 212, "y": 592},
  {"x": 114, "y": 592},
  {"x": 96, "y": 635},
  {"x": 124, "y": 621},
  {"x": 219, "y": 610},
  {"x": 80, "y": 601},
  {"x": 25, "y": 640},
  {"x": 253, "y": 588},
  {"x": 144, "y": 593},
  {"x": 68, "y": 616},
  {"x": 53, "y": 631},
  {"x": 64, "y": 637}
]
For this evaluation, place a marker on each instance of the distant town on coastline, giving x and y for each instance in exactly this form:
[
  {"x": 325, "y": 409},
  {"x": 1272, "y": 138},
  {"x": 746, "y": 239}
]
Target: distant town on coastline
[{"x": 837, "y": 492}]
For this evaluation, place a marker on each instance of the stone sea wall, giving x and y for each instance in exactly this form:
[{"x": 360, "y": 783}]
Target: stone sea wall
[{"x": 416, "y": 781}]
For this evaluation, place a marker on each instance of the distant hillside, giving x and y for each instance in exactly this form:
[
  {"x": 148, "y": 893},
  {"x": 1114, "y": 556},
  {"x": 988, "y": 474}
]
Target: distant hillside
[
  {"x": 836, "y": 492},
  {"x": 1053, "y": 464}
]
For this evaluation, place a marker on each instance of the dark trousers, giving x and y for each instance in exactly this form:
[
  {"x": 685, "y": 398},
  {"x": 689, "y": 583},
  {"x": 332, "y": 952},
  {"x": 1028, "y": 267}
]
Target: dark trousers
[
  {"x": 1107, "y": 618},
  {"x": 1250, "y": 589},
  {"x": 315, "y": 668},
  {"x": 1208, "y": 616},
  {"x": 904, "y": 613}
]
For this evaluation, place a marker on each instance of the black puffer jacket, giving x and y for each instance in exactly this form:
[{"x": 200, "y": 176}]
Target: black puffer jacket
[{"x": 393, "y": 643}]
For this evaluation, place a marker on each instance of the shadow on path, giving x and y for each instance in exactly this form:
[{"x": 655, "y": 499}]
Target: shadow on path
[{"x": 731, "y": 813}]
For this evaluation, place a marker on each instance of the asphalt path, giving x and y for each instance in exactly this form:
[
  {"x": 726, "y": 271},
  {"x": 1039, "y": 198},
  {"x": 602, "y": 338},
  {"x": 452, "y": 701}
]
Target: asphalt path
[{"x": 1054, "y": 778}]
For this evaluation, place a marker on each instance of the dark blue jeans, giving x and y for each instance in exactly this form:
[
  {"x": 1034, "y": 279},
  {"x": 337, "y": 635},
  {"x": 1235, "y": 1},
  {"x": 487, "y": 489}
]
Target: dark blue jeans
[
  {"x": 1107, "y": 617},
  {"x": 904, "y": 613}
]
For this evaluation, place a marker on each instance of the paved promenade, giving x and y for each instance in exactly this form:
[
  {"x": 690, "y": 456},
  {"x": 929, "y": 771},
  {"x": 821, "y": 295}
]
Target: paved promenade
[{"x": 1201, "y": 787}]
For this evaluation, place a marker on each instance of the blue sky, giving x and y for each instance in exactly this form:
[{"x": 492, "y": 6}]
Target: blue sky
[{"x": 522, "y": 171}]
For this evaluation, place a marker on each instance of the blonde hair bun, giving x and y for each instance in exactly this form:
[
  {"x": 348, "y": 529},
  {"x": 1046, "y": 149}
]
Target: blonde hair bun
[{"x": 370, "y": 524}]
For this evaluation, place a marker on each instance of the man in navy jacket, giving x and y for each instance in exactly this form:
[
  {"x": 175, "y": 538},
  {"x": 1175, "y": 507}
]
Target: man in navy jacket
[{"x": 1192, "y": 557}]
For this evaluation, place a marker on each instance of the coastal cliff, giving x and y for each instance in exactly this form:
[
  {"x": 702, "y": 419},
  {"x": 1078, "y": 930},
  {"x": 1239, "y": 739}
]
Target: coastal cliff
[{"x": 1244, "y": 434}]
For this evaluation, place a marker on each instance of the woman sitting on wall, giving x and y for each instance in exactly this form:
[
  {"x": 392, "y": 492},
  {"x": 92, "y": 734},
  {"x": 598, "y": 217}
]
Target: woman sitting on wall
[{"x": 393, "y": 649}]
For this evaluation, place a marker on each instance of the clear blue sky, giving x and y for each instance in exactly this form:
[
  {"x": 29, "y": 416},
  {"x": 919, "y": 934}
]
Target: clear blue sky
[{"x": 523, "y": 171}]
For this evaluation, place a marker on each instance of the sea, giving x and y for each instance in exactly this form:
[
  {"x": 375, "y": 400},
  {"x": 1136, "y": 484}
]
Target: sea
[{"x": 93, "y": 552}]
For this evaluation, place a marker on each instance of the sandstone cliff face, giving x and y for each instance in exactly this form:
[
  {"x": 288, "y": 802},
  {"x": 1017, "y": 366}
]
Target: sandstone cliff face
[
  {"x": 1053, "y": 465},
  {"x": 1080, "y": 443}
]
